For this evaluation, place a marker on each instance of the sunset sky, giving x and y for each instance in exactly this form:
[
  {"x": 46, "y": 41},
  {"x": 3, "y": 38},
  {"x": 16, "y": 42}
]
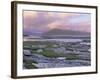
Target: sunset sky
[{"x": 40, "y": 21}]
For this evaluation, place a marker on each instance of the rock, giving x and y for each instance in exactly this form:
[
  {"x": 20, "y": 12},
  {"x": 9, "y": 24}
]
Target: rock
[
  {"x": 39, "y": 50},
  {"x": 27, "y": 52},
  {"x": 60, "y": 50}
]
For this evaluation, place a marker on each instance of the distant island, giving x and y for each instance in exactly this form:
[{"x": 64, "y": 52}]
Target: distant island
[{"x": 59, "y": 33}]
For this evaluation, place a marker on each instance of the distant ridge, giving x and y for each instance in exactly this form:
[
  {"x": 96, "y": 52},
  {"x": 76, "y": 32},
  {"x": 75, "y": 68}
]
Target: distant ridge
[{"x": 64, "y": 33}]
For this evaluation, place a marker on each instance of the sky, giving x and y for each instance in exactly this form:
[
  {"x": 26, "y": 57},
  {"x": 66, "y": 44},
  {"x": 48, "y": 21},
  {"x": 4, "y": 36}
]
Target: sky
[{"x": 42, "y": 21}]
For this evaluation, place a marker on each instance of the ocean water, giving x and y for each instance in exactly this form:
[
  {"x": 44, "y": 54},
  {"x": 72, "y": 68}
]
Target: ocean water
[{"x": 63, "y": 40}]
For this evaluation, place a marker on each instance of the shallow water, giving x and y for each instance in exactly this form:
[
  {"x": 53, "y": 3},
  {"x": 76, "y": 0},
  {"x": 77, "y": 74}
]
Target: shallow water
[{"x": 45, "y": 62}]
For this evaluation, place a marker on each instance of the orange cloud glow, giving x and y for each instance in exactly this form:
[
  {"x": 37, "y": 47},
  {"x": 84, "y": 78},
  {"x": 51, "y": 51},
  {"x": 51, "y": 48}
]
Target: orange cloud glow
[
  {"x": 56, "y": 25},
  {"x": 30, "y": 14}
]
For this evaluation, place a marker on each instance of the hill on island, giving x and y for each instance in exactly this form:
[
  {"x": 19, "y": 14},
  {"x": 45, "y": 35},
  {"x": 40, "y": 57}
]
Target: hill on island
[{"x": 59, "y": 33}]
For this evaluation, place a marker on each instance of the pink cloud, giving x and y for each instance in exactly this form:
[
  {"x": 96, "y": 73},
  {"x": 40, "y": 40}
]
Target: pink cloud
[{"x": 41, "y": 21}]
